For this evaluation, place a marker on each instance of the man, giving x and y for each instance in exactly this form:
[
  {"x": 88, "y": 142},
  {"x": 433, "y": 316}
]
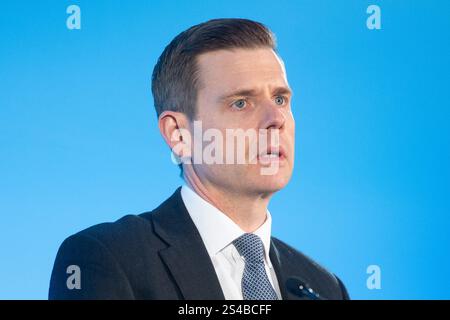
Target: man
[{"x": 212, "y": 238}]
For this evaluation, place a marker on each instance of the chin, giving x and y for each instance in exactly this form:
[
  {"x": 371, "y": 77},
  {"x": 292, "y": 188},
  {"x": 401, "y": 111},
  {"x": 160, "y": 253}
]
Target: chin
[{"x": 273, "y": 183}]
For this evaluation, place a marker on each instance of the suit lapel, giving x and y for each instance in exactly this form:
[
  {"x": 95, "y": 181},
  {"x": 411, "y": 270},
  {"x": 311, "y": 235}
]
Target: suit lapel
[
  {"x": 186, "y": 256},
  {"x": 283, "y": 269}
]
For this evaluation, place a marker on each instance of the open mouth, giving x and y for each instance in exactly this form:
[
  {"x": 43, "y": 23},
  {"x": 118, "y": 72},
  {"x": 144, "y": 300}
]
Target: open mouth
[{"x": 271, "y": 155}]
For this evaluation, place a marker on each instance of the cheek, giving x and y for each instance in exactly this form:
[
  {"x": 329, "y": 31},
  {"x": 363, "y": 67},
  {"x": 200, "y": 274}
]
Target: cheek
[
  {"x": 291, "y": 120},
  {"x": 290, "y": 128}
]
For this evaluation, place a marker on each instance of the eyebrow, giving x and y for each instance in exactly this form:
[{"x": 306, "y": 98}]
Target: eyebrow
[{"x": 253, "y": 92}]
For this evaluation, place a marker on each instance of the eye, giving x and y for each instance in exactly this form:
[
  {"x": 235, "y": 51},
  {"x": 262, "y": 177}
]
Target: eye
[
  {"x": 240, "y": 104},
  {"x": 280, "y": 100}
]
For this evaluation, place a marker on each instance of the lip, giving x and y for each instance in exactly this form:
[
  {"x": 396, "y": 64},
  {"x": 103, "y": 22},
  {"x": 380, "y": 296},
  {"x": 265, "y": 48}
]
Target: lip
[
  {"x": 271, "y": 149},
  {"x": 265, "y": 159}
]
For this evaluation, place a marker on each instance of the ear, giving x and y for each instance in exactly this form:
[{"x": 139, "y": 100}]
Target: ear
[{"x": 175, "y": 129}]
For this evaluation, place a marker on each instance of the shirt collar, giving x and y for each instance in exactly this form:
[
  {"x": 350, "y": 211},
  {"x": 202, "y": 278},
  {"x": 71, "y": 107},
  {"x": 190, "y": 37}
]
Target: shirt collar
[{"x": 209, "y": 220}]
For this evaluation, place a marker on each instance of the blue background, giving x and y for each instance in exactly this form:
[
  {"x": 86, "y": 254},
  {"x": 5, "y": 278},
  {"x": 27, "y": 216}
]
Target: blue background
[{"x": 79, "y": 143}]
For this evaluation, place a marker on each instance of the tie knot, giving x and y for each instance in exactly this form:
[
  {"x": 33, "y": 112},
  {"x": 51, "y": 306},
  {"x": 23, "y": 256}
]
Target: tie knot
[{"x": 251, "y": 247}]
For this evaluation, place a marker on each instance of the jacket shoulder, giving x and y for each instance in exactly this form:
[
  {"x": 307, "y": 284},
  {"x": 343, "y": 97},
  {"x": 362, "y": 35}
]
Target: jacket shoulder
[
  {"x": 102, "y": 255},
  {"x": 125, "y": 229},
  {"x": 124, "y": 240}
]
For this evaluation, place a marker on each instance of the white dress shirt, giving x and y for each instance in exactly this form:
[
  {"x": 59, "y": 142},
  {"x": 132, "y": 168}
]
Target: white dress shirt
[{"x": 218, "y": 232}]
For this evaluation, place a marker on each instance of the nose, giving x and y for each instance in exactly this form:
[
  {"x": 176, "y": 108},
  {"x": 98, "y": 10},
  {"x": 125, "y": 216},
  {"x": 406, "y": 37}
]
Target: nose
[{"x": 274, "y": 117}]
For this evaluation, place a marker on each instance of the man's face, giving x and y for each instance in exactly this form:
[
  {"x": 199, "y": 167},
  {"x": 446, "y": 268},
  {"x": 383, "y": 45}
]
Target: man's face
[{"x": 246, "y": 89}]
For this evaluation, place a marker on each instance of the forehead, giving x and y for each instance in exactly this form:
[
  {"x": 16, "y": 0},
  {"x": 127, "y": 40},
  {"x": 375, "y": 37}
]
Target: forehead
[{"x": 229, "y": 69}]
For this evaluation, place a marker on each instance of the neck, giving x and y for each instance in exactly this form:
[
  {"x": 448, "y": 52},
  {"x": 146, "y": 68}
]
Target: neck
[{"x": 249, "y": 212}]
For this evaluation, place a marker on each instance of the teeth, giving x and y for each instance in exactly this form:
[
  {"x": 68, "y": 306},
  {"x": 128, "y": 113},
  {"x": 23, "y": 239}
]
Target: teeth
[{"x": 270, "y": 155}]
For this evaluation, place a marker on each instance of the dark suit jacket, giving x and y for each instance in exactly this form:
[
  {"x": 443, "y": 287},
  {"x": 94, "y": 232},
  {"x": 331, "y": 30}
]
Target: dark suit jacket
[{"x": 160, "y": 255}]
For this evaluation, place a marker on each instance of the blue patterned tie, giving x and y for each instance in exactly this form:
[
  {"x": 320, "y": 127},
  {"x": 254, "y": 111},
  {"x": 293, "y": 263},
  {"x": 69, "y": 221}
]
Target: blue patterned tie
[{"x": 255, "y": 283}]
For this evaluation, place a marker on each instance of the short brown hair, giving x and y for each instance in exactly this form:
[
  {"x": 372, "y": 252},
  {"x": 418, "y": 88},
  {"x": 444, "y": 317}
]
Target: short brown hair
[{"x": 175, "y": 76}]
